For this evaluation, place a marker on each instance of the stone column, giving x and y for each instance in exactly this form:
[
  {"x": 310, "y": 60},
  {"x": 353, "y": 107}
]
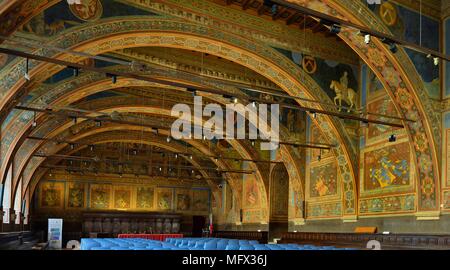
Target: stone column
[
  {"x": 12, "y": 219},
  {"x": 1, "y": 219}
]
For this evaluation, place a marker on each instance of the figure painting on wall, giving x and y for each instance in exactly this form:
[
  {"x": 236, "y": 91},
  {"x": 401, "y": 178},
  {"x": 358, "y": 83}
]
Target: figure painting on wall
[
  {"x": 200, "y": 200},
  {"x": 122, "y": 197},
  {"x": 100, "y": 196},
  {"x": 251, "y": 192},
  {"x": 52, "y": 194},
  {"x": 387, "y": 167},
  {"x": 183, "y": 202},
  {"x": 323, "y": 180},
  {"x": 382, "y": 106},
  {"x": 164, "y": 199},
  {"x": 76, "y": 195},
  {"x": 87, "y": 10},
  {"x": 144, "y": 197}
]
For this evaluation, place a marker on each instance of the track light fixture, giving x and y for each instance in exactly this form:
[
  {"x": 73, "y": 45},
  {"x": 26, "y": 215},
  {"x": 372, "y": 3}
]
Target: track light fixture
[
  {"x": 27, "y": 68},
  {"x": 34, "y": 124},
  {"x": 72, "y": 146},
  {"x": 254, "y": 104},
  {"x": 367, "y": 39},
  {"x": 91, "y": 147},
  {"x": 234, "y": 100},
  {"x": 169, "y": 139},
  {"x": 335, "y": 29},
  {"x": 193, "y": 91},
  {"x": 176, "y": 156},
  {"x": 134, "y": 152},
  {"x": 113, "y": 77},
  {"x": 253, "y": 142},
  {"x": 436, "y": 61},
  {"x": 391, "y": 45},
  {"x": 313, "y": 114},
  {"x": 98, "y": 123},
  {"x": 75, "y": 120},
  {"x": 190, "y": 157},
  {"x": 76, "y": 71},
  {"x": 392, "y": 138}
]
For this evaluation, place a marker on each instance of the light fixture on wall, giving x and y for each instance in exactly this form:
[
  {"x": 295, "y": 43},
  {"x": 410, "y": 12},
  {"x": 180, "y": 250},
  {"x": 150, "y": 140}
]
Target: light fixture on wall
[
  {"x": 392, "y": 138},
  {"x": 72, "y": 146},
  {"x": 367, "y": 39},
  {"x": 34, "y": 124},
  {"x": 27, "y": 68},
  {"x": 335, "y": 29},
  {"x": 176, "y": 156},
  {"x": 91, "y": 147},
  {"x": 168, "y": 139},
  {"x": 75, "y": 70}
]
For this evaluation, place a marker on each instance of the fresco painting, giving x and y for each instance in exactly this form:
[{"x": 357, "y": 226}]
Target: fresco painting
[
  {"x": 144, "y": 197},
  {"x": 164, "y": 198},
  {"x": 100, "y": 196},
  {"x": 183, "y": 200},
  {"x": 122, "y": 197},
  {"x": 323, "y": 180},
  {"x": 52, "y": 195},
  {"x": 251, "y": 192},
  {"x": 387, "y": 167},
  {"x": 76, "y": 194},
  {"x": 409, "y": 25},
  {"x": 200, "y": 200},
  {"x": 384, "y": 106}
]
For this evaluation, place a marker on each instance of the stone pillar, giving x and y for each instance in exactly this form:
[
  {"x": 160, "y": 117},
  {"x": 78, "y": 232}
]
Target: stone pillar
[
  {"x": 12, "y": 219},
  {"x": 1, "y": 219}
]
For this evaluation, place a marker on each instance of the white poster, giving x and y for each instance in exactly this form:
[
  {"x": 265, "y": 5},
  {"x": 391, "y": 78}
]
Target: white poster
[{"x": 55, "y": 233}]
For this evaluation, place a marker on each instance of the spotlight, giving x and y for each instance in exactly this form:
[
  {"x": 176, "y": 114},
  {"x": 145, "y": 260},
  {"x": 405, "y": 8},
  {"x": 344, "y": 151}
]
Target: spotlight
[
  {"x": 314, "y": 114},
  {"x": 204, "y": 137},
  {"x": 193, "y": 91},
  {"x": 192, "y": 171},
  {"x": 120, "y": 175},
  {"x": 393, "y": 48},
  {"x": 34, "y": 124},
  {"x": 253, "y": 143},
  {"x": 135, "y": 152},
  {"x": 160, "y": 169},
  {"x": 27, "y": 75},
  {"x": 156, "y": 131},
  {"x": 113, "y": 77},
  {"x": 367, "y": 39},
  {"x": 392, "y": 138},
  {"x": 72, "y": 146},
  {"x": 75, "y": 120},
  {"x": 235, "y": 100},
  {"x": 335, "y": 29},
  {"x": 76, "y": 71},
  {"x": 216, "y": 159},
  {"x": 436, "y": 61},
  {"x": 168, "y": 139},
  {"x": 176, "y": 155},
  {"x": 254, "y": 104},
  {"x": 190, "y": 157},
  {"x": 98, "y": 123},
  {"x": 91, "y": 147}
]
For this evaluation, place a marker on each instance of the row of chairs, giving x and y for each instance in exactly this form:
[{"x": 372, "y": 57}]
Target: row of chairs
[
  {"x": 190, "y": 244},
  {"x": 124, "y": 244},
  {"x": 234, "y": 244}
]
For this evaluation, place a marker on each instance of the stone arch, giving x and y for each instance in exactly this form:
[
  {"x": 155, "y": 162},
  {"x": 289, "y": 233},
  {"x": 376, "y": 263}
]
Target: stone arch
[
  {"x": 404, "y": 86},
  {"x": 278, "y": 69}
]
